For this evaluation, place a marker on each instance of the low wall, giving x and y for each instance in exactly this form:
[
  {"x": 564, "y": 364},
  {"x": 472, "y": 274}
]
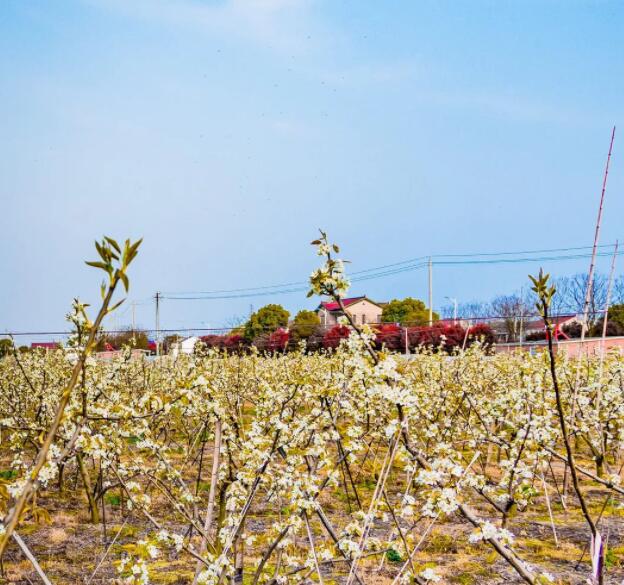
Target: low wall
[
  {"x": 109, "y": 355},
  {"x": 572, "y": 347}
]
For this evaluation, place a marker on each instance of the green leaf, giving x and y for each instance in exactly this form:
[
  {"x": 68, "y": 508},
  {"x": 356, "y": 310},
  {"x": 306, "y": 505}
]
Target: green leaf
[
  {"x": 115, "y": 306},
  {"x": 113, "y": 243},
  {"x": 124, "y": 279},
  {"x": 101, "y": 265},
  {"x": 132, "y": 251}
]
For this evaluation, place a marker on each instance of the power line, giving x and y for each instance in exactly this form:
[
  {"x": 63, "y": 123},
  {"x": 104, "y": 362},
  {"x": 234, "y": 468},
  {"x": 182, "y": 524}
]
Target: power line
[
  {"x": 392, "y": 269},
  {"x": 522, "y": 260},
  {"x": 486, "y": 258},
  {"x": 418, "y": 260}
]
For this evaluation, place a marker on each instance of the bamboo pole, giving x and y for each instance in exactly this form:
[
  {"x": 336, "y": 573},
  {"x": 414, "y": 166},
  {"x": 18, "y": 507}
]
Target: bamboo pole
[{"x": 216, "y": 456}]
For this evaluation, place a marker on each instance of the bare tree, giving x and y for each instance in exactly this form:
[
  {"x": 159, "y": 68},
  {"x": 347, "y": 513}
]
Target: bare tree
[
  {"x": 515, "y": 309},
  {"x": 477, "y": 310},
  {"x": 235, "y": 321},
  {"x": 512, "y": 309},
  {"x": 563, "y": 300},
  {"x": 571, "y": 291},
  {"x": 447, "y": 311},
  {"x": 617, "y": 294}
]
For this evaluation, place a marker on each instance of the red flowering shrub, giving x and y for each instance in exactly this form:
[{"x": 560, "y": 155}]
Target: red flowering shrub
[
  {"x": 278, "y": 340},
  {"x": 483, "y": 333},
  {"x": 450, "y": 336},
  {"x": 391, "y": 336},
  {"x": 234, "y": 342},
  {"x": 333, "y": 336},
  {"x": 261, "y": 342},
  {"x": 213, "y": 341},
  {"x": 231, "y": 343}
]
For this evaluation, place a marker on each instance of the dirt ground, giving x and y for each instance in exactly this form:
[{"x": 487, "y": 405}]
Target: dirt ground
[{"x": 69, "y": 547}]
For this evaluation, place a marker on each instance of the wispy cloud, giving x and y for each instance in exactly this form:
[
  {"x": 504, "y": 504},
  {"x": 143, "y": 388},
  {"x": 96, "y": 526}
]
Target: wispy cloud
[
  {"x": 295, "y": 27},
  {"x": 286, "y": 25}
]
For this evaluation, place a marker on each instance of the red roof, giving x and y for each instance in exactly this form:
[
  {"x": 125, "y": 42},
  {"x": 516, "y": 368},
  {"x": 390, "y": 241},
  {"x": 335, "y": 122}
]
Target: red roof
[
  {"x": 44, "y": 345},
  {"x": 332, "y": 306},
  {"x": 556, "y": 321}
]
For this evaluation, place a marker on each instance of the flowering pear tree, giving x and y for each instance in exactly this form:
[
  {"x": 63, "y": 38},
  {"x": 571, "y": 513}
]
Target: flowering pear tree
[{"x": 235, "y": 464}]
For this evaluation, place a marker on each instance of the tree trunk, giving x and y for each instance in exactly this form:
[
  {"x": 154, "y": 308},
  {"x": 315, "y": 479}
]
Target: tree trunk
[{"x": 95, "y": 514}]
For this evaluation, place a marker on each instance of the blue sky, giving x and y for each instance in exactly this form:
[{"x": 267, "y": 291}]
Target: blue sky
[{"x": 226, "y": 132}]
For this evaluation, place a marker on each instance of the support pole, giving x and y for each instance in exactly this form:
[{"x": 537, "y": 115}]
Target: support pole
[
  {"x": 592, "y": 264},
  {"x": 605, "y": 316},
  {"x": 157, "y": 323},
  {"x": 588, "y": 296},
  {"x": 430, "y": 292}
]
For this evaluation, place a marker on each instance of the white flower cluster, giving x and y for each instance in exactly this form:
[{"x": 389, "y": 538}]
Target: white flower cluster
[
  {"x": 430, "y": 575},
  {"x": 330, "y": 278},
  {"x": 487, "y": 531},
  {"x": 133, "y": 571}
]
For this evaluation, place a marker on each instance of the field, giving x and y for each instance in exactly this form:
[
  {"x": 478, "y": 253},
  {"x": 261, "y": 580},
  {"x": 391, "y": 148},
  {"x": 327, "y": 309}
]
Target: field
[
  {"x": 337, "y": 468},
  {"x": 348, "y": 466}
]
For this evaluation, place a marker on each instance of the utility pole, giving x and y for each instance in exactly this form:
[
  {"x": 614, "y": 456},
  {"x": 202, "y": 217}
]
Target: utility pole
[
  {"x": 157, "y": 323},
  {"x": 133, "y": 321},
  {"x": 522, "y": 310},
  {"x": 430, "y": 292}
]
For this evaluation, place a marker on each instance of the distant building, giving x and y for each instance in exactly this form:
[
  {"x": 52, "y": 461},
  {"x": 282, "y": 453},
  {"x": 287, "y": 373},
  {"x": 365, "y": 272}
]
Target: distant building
[
  {"x": 361, "y": 309},
  {"x": 186, "y": 346},
  {"x": 47, "y": 345},
  {"x": 524, "y": 328},
  {"x": 558, "y": 322}
]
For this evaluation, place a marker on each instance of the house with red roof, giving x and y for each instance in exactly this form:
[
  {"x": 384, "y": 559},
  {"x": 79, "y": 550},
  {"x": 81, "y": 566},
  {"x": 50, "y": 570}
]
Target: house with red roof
[
  {"x": 558, "y": 323},
  {"x": 533, "y": 328},
  {"x": 361, "y": 309},
  {"x": 47, "y": 345}
]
